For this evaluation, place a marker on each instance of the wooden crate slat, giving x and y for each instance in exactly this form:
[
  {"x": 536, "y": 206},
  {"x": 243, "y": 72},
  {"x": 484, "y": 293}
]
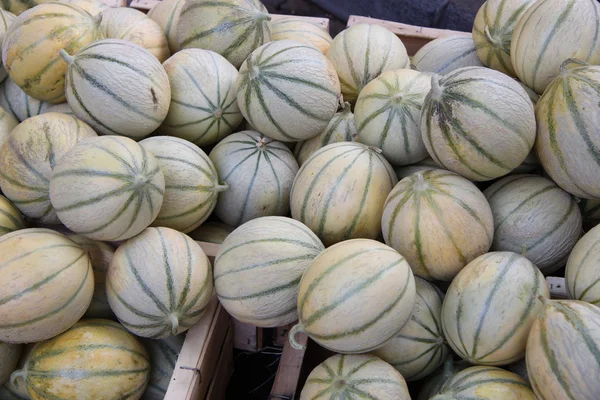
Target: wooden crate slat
[
  {"x": 223, "y": 371},
  {"x": 246, "y": 336},
  {"x": 288, "y": 372}
]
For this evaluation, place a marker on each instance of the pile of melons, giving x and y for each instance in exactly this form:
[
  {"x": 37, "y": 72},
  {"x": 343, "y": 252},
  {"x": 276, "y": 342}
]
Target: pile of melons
[{"x": 404, "y": 211}]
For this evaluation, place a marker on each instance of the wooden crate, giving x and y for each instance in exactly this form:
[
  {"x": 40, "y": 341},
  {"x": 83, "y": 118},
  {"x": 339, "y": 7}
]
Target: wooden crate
[{"x": 413, "y": 37}]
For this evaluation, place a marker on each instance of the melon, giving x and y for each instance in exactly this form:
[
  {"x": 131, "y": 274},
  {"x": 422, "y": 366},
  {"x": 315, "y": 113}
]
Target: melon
[
  {"x": 419, "y": 348},
  {"x": 485, "y": 383},
  {"x": 406, "y": 170},
  {"x": 94, "y": 7},
  {"x": 17, "y": 103},
  {"x": 232, "y": 28},
  {"x": 533, "y": 96},
  {"x": 341, "y": 128},
  {"x": 568, "y": 139},
  {"x": 51, "y": 285},
  {"x": 191, "y": 183},
  {"x": 363, "y": 52},
  {"x": 301, "y": 30},
  {"x": 107, "y": 188},
  {"x": 259, "y": 171},
  {"x": 62, "y": 108},
  {"x": 96, "y": 77},
  {"x": 288, "y": 90},
  {"x": 135, "y": 26},
  {"x": 19, "y": 6},
  {"x": 563, "y": 351},
  {"x": 10, "y": 217},
  {"x": 582, "y": 275},
  {"x": 10, "y": 392},
  {"x": 493, "y": 30},
  {"x": 204, "y": 107},
  {"x": 490, "y": 307},
  {"x": 529, "y": 166},
  {"x": 434, "y": 382},
  {"x": 6, "y": 20},
  {"x": 29, "y": 156},
  {"x": 532, "y": 214},
  {"x": 163, "y": 357},
  {"x": 447, "y": 53},
  {"x": 320, "y": 194},
  {"x": 15, "y": 389},
  {"x": 30, "y": 49},
  {"x": 9, "y": 358},
  {"x": 387, "y": 115},
  {"x": 100, "y": 254},
  {"x": 166, "y": 14},
  {"x": 211, "y": 232},
  {"x": 358, "y": 376},
  {"x": 95, "y": 359},
  {"x": 425, "y": 218},
  {"x": 478, "y": 122},
  {"x": 590, "y": 210},
  {"x": 355, "y": 296},
  {"x": 548, "y": 33},
  {"x": 159, "y": 283},
  {"x": 258, "y": 270},
  {"x": 7, "y": 124}
]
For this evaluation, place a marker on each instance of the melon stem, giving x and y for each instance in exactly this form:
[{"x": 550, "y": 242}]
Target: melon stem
[
  {"x": 296, "y": 329},
  {"x": 222, "y": 187},
  {"x": 490, "y": 38},
  {"x": 524, "y": 250},
  {"x": 568, "y": 61},
  {"x": 346, "y": 108},
  {"x": 544, "y": 300},
  {"x": 174, "y": 324},
  {"x": 375, "y": 149},
  {"x": 20, "y": 373},
  {"x": 66, "y": 56},
  {"x": 98, "y": 19},
  {"x": 436, "y": 89}
]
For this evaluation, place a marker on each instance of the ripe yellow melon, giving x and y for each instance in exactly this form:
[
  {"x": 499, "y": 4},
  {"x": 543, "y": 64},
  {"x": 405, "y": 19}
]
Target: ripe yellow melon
[
  {"x": 301, "y": 30},
  {"x": 166, "y": 14},
  {"x": 445, "y": 54}
]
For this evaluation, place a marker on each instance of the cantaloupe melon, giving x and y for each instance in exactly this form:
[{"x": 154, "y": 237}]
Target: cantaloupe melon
[
  {"x": 135, "y": 26},
  {"x": 563, "y": 351},
  {"x": 30, "y": 48},
  {"x": 204, "y": 107},
  {"x": 258, "y": 270},
  {"x": 94, "y": 7},
  {"x": 211, "y": 232},
  {"x": 62, "y": 108},
  {"x": 17, "y": 103},
  {"x": 19, "y": 6},
  {"x": 568, "y": 139},
  {"x": 493, "y": 29},
  {"x": 288, "y": 90},
  {"x": 478, "y": 122},
  {"x": 406, "y": 170},
  {"x": 445, "y": 54},
  {"x": 355, "y": 296},
  {"x": 163, "y": 357},
  {"x": 533, "y": 96},
  {"x": 341, "y": 128},
  {"x": 107, "y": 188},
  {"x": 15, "y": 389},
  {"x": 166, "y": 15},
  {"x": 6, "y": 20},
  {"x": 100, "y": 254},
  {"x": 387, "y": 115},
  {"x": 9, "y": 358},
  {"x": 290, "y": 27},
  {"x": 485, "y": 383},
  {"x": 363, "y": 52},
  {"x": 419, "y": 348},
  {"x": 7, "y": 124},
  {"x": 159, "y": 283},
  {"x": 320, "y": 195},
  {"x": 96, "y": 77},
  {"x": 582, "y": 277},
  {"x": 425, "y": 218},
  {"x": 434, "y": 382},
  {"x": 232, "y": 28},
  {"x": 533, "y": 214},
  {"x": 354, "y": 377},
  {"x": 28, "y": 157},
  {"x": 95, "y": 359},
  {"x": 259, "y": 171},
  {"x": 10, "y": 217},
  {"x": 191, "y": 183},
  {"x": 530, "y": 165},
  {"x": 548, "y": 33},
  {"x": 490, "y": 306},
  {"x": 51, "y": 285}
]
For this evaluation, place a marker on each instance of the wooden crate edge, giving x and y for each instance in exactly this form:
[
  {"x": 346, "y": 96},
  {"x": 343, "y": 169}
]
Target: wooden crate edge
[
  {"x": 288, "y": 373},
  {"x": 223, "y": 370}
]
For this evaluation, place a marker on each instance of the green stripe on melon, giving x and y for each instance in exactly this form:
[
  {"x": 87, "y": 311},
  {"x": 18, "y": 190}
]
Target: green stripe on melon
[
  {"x": 10, "y": 217},
  {"x": 582, "y": 277},
  {"x": 166, "y": 14},
  {"x": 163, "y": 357},
  {"x": 259, "y": 171},
  {"x": 419, "y": 348},
  {"x": 277, "y": 97},
  {"x": 343, "y": 279},
  {"x": 354, "y": 377},
  {"x": 425, "y": 217},
  {"x": 51, "y": 285},
  {"x": 319, "y": 196},
  {"x": 478, "y": 122},
  {"x": 568, "y": 144},
  {"x": 300, "y": 30},
  {"x": 490, "y": 307},
  {"x": 17, "y": 103},
  {"x": 563, "y": 351},
  {"x": 113, "y": 179},
  {"x": 445, "y": 54},
  {"x": 550, "y": 236},
  {"x": 191, "y": 183},
  {"x": 159, "y": 283}
]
